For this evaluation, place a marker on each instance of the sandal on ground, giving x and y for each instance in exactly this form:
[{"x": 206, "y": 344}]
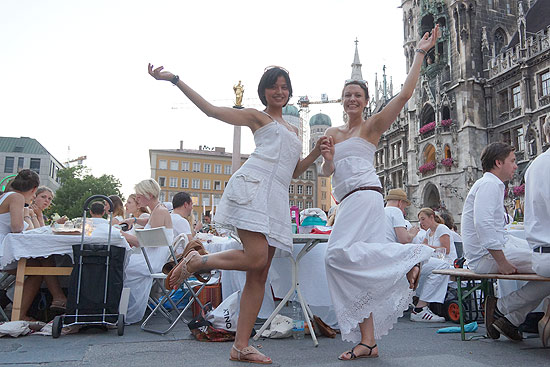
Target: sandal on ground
[
  {"x": 353, "y": 356},
  {"x": 58, "y": 306},
  {"x": 250, "y": 350},
  {"x": 184, "y": 272}
]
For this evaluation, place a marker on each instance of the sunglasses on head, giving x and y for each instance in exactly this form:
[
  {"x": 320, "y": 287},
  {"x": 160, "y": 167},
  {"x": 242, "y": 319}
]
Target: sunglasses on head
[
  {"x": 276, "y": 67},
  {"x": 357, "y": 81}
]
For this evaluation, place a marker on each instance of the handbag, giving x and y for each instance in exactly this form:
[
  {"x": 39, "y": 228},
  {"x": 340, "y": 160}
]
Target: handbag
[
  {"x": 203, "y": 330},
  {"x": 193, "y": 245}
]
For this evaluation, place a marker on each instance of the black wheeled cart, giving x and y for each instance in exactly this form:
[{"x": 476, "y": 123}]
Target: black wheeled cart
[{"x": 95, "y": 284}]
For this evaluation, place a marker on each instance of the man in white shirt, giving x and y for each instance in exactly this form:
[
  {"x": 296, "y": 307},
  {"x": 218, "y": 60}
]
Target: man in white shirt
[
  {"x": 431, "y": 287},
  {"x": 489, "y": 249},
  {"x": 182, "y": 207},
  {"x": 537, "y": 222}
]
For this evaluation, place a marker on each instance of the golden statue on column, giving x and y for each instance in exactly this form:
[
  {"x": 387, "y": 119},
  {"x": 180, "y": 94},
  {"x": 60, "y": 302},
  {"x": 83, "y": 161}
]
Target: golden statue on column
[{"x": 239, "y": 92}]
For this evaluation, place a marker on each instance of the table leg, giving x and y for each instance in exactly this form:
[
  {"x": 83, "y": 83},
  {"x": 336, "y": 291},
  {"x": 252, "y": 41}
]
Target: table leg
[
  {"x": 18, "y": 295},
  {"x": 307, "y": 312}
]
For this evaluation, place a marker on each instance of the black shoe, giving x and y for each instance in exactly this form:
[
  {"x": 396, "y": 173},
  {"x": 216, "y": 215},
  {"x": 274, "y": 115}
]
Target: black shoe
[
  {"x": 507, "y": 329},
  {"x": 490, "y": 317}
]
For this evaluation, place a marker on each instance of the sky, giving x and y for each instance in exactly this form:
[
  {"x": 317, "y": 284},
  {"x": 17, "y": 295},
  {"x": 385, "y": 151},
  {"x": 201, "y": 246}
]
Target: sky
[{"x": 74, "y": 73}]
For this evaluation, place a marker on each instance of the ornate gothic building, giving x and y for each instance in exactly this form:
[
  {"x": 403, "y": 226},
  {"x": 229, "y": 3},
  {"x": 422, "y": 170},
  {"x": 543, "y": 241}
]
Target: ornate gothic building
[{"x": 487, "y": 80}]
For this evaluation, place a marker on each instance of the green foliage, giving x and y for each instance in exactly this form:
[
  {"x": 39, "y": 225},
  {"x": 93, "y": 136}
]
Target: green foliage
[{"x": 77, "y": 185}]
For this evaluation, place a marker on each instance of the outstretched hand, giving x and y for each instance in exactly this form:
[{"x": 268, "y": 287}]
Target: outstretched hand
[
  {"x": 327, "y": 148},
  {"x": 428, "y": 40},
  {"x": 159, "y": 74}
]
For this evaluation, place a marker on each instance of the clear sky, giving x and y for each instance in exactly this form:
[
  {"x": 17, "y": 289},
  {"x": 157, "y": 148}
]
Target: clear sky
[{"x": 74, "y": 73}]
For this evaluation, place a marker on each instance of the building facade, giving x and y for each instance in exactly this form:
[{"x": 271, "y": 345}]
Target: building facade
[
  {"x": 486, "y": 80},
  {"x": 19, "y": 153},
  {"x": 203, "y": 173}
]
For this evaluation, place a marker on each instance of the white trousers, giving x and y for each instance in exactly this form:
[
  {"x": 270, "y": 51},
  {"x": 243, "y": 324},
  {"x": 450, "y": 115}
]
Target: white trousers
[
  {"x": 516, "y": 305},
  {"x": 432, "y": 287}
]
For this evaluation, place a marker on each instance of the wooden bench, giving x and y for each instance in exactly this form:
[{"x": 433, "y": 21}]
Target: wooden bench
[
  {"x": 485, "y": 286},
  {"x": 22, "y": 270}
]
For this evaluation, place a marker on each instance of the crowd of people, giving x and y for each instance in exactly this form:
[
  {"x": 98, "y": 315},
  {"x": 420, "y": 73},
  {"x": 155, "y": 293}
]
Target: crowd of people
[{"x": 375, "y": 261}]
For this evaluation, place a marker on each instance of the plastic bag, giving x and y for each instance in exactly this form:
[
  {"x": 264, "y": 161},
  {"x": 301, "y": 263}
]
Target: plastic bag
[{"x": 225, "y": 316}]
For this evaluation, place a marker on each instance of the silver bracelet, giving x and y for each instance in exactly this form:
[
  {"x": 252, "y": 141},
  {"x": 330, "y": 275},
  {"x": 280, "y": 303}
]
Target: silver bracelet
[{"x": 419, "y": 50}]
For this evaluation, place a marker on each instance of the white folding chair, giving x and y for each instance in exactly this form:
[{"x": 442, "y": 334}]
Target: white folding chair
[{"x": 161, "y": 237}]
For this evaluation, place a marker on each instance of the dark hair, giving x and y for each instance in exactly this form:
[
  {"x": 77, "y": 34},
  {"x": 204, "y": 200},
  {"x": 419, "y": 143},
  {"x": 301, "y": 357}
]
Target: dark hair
[
  {"x": 448, "y": 219},
  {"x": 181, "y": 198},
  {"x": 360, "y": 83},
  {"x": 97, "y": 208},
  {"x": 493, "y": 152},
  {"x": 25, "y": 180},
  {"x": 208, "y": 214},
  {"x": 118, "y": 206},
  {"x": 269, "y": 79}
]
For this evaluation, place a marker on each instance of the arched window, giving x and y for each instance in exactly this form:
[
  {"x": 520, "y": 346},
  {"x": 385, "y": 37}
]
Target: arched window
[
  {"x": 429, "y": 153},
  {"x": 500, "y": 40},
  {"x": 445, "y": 113},
  {"x": 447, "y": 152},
  {"x": 426, "y": 24},
  {"x": 427, "y": 116}
]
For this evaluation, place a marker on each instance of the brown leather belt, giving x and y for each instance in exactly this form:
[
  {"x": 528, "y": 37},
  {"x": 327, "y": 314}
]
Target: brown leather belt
[{"x": 373, "y": 188}]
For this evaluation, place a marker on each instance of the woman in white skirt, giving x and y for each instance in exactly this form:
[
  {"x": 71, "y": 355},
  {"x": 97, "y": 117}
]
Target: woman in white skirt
[
  {"x": 370, "y": 281},
  {"x": 255, "y": 200}
]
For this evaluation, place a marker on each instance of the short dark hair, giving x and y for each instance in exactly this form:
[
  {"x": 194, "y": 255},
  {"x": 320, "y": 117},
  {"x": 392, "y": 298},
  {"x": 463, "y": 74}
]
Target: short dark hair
[
  {"x": 269, "y": 79},
  {"x": 97, "y": 208},
  {"x": 493, "y": 152},
  {"x": 181, "y": 198},
  {"x": 25, "y": 180},
  {"x": 360, "y": 83},
  {"x": 448, "y": 220},
  {"x": 207, "y": 214}
]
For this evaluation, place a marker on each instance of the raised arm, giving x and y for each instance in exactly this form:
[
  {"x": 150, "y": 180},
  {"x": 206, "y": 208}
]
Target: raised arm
[
  {"x": 383, "y": 120},
  {"x": 327, "y": 151},
  {"x": 241, "y": 117},
  {"x": 303, "y": 164}
]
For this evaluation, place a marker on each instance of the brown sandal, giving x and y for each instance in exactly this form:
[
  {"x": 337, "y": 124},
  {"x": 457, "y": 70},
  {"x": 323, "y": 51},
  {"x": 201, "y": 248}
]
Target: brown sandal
[
  {"x": 184, "y": 272},
  {"x": 248, "y": 351}
]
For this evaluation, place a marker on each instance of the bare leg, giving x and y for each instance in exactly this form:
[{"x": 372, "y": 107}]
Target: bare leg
[
  {"x": 30, "y": 289},
  {"x": 52, "y": 282},
  {"x": 367, "y": 337}
]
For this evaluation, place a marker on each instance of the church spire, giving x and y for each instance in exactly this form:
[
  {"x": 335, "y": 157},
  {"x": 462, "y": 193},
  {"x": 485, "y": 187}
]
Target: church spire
[{"x": 356, "y": 66}]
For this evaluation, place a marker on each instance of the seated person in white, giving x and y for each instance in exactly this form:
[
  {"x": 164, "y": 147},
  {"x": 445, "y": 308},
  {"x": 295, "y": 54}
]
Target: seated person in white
[
  {"x": 182, "y": 207},
  {"x": 100, "y": 224},
  {"x": 137, "y": 275},
  {"x": 489, "y": 249},
  {"x": 431, "y": 287},
  {"x": 135, "y": 212},
  {"x": 537, "y": 220},
  {"x": 438, "y": 235}
]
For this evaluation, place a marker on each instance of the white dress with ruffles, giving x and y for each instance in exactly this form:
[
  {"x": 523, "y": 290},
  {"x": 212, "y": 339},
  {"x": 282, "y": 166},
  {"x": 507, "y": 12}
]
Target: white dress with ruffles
[
  {"x": 365, "y": 275},
  {"x": 256, "y": 196}
]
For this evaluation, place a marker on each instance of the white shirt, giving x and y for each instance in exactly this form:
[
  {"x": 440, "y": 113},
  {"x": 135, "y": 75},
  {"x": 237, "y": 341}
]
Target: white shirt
[
  {"x": 434, "y": 241},
  {"x": 180, "y": 224},
  {"x": 537, "y": 201},
  {"x": 483, "y": 218},
  {"x": 394, "y": 219}
]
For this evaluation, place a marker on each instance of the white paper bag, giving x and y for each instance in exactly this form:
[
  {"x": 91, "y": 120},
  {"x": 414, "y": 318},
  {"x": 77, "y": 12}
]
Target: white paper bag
[{"x": 226, "y": 314}]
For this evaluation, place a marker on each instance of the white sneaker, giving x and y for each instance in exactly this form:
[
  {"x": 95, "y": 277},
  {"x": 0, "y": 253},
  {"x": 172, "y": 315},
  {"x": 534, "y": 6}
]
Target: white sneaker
[{"x": 426, "y": 315}]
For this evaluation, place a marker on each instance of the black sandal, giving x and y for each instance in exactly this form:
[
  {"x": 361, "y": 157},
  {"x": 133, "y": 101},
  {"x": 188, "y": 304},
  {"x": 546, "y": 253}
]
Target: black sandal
[{"x": 354, "y": 356}]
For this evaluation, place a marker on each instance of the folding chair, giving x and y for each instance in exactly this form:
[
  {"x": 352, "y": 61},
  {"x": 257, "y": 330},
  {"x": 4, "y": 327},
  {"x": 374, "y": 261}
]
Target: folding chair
[
  {"x": 161, "y": 237},
  {"x": 6, "y": 280}
]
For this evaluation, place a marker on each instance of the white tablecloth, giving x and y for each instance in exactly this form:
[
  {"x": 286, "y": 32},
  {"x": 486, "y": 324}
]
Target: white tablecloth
[{"x": 41, "y": 242}]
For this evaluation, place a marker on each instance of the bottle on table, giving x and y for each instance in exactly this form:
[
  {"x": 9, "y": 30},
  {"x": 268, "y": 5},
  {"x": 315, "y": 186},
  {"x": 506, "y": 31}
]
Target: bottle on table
[{"x": 298, "y": 330}]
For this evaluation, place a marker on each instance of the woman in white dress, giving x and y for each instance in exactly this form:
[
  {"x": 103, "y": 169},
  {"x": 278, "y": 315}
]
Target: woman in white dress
[
  {"x": 438, "y": 235},
  {"x": 367, "y": 277},
  {"x": 136, "y": 275},
  {"x": 255, "y": 201}
]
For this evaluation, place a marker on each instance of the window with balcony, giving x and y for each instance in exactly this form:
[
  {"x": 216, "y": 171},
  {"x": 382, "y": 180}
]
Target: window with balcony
[
  {"x": 207, "y": 167},
  {"x": 174, "y": 165},
  {"x": 173, "y": 182},
  {"x": 184, "y": 183},
  {"x": 162, "y": 181},
  {"x": 196, "y": 167},
  {"x": 8, "y": 164},
  {"x": 185, "y": 166},
  {"x": 227, "y": 169},
  {"x": 218, "y": 169},
  {"x": 163, "y": 164},
  {"x": 35, "y": 165},
  {"x": 195, "y": 183}
]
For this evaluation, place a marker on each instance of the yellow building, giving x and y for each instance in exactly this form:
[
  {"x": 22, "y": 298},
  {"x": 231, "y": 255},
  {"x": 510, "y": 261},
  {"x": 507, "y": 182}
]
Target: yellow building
[{"x": 202, "y": 173}]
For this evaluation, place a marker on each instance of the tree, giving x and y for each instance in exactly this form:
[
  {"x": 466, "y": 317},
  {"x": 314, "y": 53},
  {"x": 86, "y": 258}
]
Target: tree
[{"x": 77, "y": 185}]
